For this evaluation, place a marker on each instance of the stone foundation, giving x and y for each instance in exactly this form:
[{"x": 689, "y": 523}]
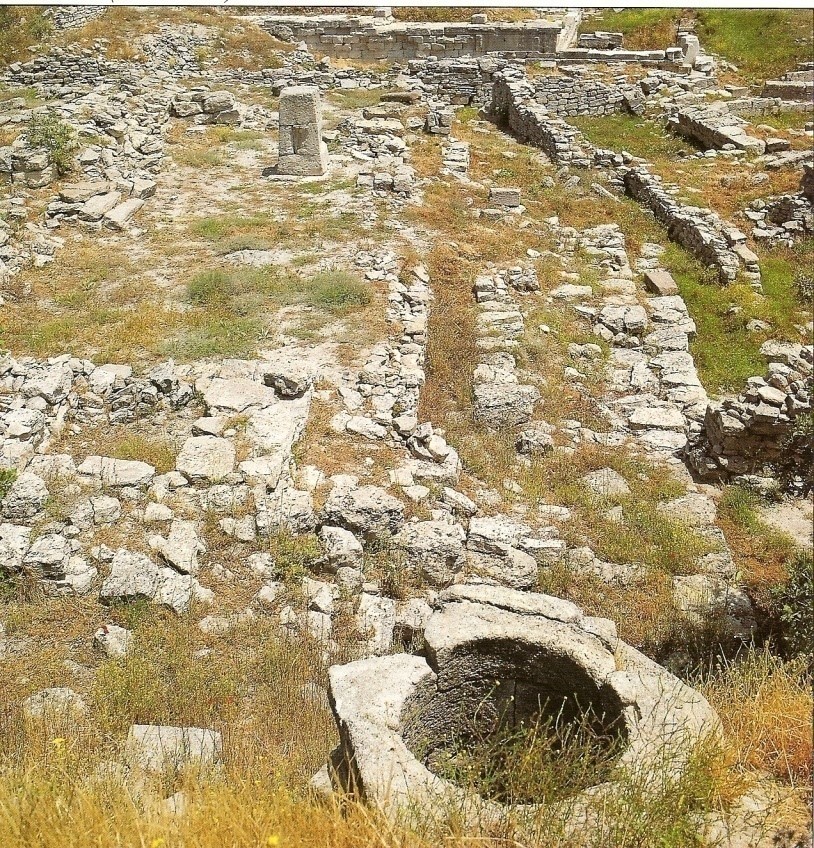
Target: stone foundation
[
  {"x": 372, "y": 40},
  {"x": 750, "y": 434}
]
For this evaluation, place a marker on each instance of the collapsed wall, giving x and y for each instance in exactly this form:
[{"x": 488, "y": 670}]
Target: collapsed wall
[{"x": 714, "y": 126}]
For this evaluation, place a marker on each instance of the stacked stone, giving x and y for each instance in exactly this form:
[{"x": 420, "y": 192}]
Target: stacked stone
[
  {"x": 70, "y": 17},
  {"x": 207, "y": 107},
  {"x": 600, "y": 40},
  {"x": 61, "y": 72},
  {"x": 26, "y": 166},
  {"x": 500, "y": 401},
  {"x": 578, "y": 95},
  {"x": 513, "y": 104},
  {"x": 455, "y": 158},
  {"x": 748, "y": 434},
  {"x": 807, "y": 182},
  {"x": 795, "y": 85},
  {"x": 784, "y": 218},
  {"x": 715, "y": 127},
  {"x": 701, "y": 231},
  {"x": 370, "y": 39},
  {"x": 175, "y": 47},
  {"x": 459, "y": 82}
]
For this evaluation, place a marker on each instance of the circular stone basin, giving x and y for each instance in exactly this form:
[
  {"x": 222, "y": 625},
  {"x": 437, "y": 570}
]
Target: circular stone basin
[{"x": 496, "y": 658}]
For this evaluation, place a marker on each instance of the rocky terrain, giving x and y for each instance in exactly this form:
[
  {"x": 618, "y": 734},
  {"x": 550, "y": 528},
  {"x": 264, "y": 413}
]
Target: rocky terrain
[{"x": 371, "y": 389}]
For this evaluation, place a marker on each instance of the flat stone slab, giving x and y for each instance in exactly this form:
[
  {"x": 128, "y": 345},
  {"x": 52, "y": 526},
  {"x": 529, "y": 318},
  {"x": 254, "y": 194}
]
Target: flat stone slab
[{"x": 206, "y": 458}]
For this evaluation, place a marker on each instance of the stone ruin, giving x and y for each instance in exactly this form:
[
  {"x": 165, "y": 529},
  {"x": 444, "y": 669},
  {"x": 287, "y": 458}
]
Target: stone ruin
[
  {"x": 503, "y": 656},
  {"x": 303, "y": 153},
  {"x": 751, "y": 434}
]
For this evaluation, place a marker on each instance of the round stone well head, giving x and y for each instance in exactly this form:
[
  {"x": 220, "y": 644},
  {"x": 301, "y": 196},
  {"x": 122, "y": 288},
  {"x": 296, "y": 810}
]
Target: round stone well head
[{"x": 492, "y": 657}]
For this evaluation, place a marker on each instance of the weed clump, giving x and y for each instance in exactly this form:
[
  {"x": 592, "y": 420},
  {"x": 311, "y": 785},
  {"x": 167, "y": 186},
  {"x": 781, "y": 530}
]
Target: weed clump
[{"x": 47, "y": 131}]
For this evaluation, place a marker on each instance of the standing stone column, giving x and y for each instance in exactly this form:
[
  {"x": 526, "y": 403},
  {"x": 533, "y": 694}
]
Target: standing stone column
[{"x": 302, "y": 150}]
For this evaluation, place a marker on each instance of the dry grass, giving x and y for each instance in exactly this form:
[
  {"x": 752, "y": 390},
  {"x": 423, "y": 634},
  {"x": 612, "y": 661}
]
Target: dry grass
[
  {"x": 122, "y": 441},
  {"x": 766, "y": 707},
  {"x": 20, "y": 30},
  {"x": 335, "y": 453},
  {"x": 760, "y": 551},
  {"x": 442, "y": 14},
  {"x": 262, "y": 691}
]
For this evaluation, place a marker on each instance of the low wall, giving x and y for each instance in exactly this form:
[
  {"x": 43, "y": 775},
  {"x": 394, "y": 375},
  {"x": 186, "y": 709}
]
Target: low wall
[
  {"x": 366, "y": 40},
  {"x": 700, "y": 231},
  {"x": 577, "y": 94},
  {"x": 754, "y": 432},
  {"x": 513, "y": 105},
  {"x": 461, "y": 82},
  {"x": 714, "y": 127}
]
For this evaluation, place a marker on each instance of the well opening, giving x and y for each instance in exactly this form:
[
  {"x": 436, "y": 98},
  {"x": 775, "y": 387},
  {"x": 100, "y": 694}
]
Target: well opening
[{"x": 516, "y": 723}]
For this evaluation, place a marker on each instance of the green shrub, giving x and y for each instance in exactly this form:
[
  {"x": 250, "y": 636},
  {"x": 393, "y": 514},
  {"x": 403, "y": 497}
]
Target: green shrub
[
  {"x": 211, "y": 288},
  {"x": 804, "y": 283},
  {"x": 338, "y": 292},
  {"x": 795, "y": 601},
  {"x": 47, "y": 131}
]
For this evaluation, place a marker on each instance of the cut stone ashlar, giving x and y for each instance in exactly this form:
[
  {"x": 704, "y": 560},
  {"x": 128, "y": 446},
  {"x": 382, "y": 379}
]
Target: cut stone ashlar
[
  {"x": 303, "y": 153},
  {"x": 491, "y": 652}
]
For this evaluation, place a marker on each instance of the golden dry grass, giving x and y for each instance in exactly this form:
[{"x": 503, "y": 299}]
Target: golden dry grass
[{"x": 766, "y": 707}]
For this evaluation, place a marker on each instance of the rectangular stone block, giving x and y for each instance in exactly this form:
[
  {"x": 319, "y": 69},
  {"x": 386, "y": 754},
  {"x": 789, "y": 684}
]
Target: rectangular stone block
[{"x": 660, "y": 282}]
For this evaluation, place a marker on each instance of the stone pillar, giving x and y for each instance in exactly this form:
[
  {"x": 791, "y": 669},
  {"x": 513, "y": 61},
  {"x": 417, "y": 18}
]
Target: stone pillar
[{"x": 302, "y": 150}]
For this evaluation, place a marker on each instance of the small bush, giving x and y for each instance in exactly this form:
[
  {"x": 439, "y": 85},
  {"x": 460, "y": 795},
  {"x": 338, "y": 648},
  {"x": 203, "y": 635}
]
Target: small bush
[
  {"x": 210, "y": 288},
  {"x": 804, "y": 283},
  {"x": 47, "y": 131},
  {"x": 338, "y": 292},
  {"x": 795, "y": 602}
]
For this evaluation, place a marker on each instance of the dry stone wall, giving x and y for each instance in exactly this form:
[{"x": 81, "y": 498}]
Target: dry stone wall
[
  {"x": 749, "y": 434},
  {"x": 366, "y": 40},
  {"x": 513, "y": 105},
  {"x": 701, "y": 231}
]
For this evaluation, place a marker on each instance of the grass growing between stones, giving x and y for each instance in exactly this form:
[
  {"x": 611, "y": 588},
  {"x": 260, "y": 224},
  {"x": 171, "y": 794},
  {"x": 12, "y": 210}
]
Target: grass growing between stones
[
  {"x": 643, "y": 29},
  {"x": 20, "y": 29},
  {"x": 262, "y": 691},
  {"x": 232, "y": 308},
  {"x": 120, "y": 441},
  {"x": 763, "y": 43},
  {"x": 545, "y": 761},
  {"x": 637, "y": 136}
]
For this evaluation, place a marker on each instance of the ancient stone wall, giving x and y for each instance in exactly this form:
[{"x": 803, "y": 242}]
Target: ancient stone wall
[
  {"x": 363, "y": 39},
  {"x": 700, "y": 231},
  {"x": 69, "y": 17},
  {"x": 749, "y": 434},
  {"x": 714, "y": 126},
  {"x": 513, "y": 105},
  {"x": 767, "y": 106},
  {"x": 796, "y": 85},
  {"x": 461, "y": 82},
  {"x": 577, "y": 95}
]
